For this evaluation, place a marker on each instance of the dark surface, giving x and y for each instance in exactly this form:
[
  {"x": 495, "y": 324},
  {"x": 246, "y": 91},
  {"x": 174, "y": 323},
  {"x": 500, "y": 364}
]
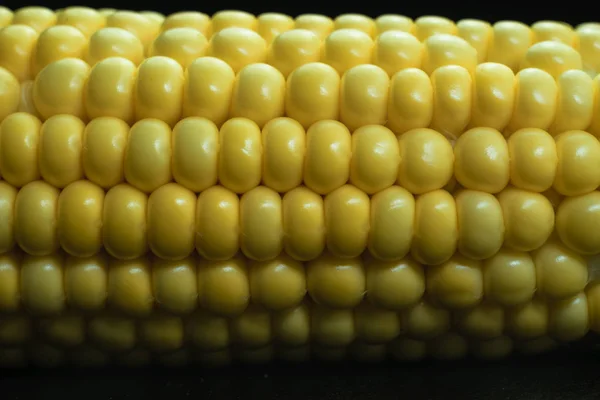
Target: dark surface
[{"x": 573, "y": 374}]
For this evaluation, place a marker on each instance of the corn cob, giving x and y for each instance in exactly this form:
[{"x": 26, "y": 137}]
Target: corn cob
[{"x": 190, "y": 189}]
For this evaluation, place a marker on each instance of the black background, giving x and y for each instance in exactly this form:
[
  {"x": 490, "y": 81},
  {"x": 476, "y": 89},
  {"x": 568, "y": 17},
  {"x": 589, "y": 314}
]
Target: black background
[
  {"x": 526, "y": 11},
  {"x": 571, "y": 374}
]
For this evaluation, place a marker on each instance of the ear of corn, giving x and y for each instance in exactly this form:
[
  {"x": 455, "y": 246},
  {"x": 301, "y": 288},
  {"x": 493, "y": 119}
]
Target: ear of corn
[{"x": 207, "y": 189}]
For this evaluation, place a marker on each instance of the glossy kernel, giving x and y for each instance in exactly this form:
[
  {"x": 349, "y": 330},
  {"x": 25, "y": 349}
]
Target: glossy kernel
[
  {"x": 148, "y": 155},
  {"x": 452, "y": 99},
  {"x": 575, "y": 220},
  {"x": 292, "y": 49},
  {"x": 223, "y": 286},
  {"x": 347, "y": 221},
  {"x": 321, "y": 25},
  {"x": 430, "y": 25},
  {"x": 395, "y": 285},
  {"x": 231, "y": 18},
  {"x": 208, "y": 89},
  {"x": 59, "y": 88},
  {"x": 457, "y": 283},
  {"x": 355, "y": 21},
  {"x": 336, "y": 283},
  {"x": 17, "y": 45},
  {"x": 552, "y": 57},
  {"x": 411, "y": 101},
  {"x": 159, "y": 90},
  {"x": 142, "y": 27},
  {"x": 478, "y": 34},
  {"x": 57, "y": 43},
  {"x": 303, "y": 224},
  {"x": 217, "y": 223},
  {"x": 518, "y": 206},
  {"x": 278, "y": 284},
  {"x": 284, "y": 148},
  {"x": 535, "y": 100},
  {"x": 479, "y": 212},
  {"x": 427, "y": 161},
  {"x": 188, "y": 19},
  {"x": 575, "y": 104},
  {"x": 533, "y": 159},
  {"x": 553, "y": 31},
  {"x": 510, "y": 278},
  {"x": 443, "y": 49},
  {"x": 393, "y": 22},
  {"x": 364, "y": 96},
  {"x": 79, "y": 218},
  {"x": 578, "y": 168},
  {"x": 238, "y": 47},
  {"x": 313, "y": 94},
  {"x": 436, "y": 228},
  {"x": 561, "y": 273},
  {"x": 171, "y": 221},
  {"x": 510, "y": 41},
  {"x": 375, "y": 158},
  {"x": 392, "y": 223},
  {"x": 347, "y": 48},
  {"x": 39, "y": 18},
  {"x": 124, "y": 229},
  {"x": 482, "y": 160},
  {"x": 396, "y": 50},
  {"x": 493, "y": 96},
  {"x": 261, "y": 225},
  {"x": 328, "y": 155},
  {"x": 60, "y": 150},
  {"x": 183, "y": 45},
  {"x": 86, "y": 19},
  {"x": 240, "y": 160},
  {"x": 19, "y": 144},
  {"x": 258, "y": 94},
  {"x": 35, "y": 218},
  {"x": 271, "y": 25},
  {"x": 110, "y": 89},
  {"x": 195, "y": 144}
]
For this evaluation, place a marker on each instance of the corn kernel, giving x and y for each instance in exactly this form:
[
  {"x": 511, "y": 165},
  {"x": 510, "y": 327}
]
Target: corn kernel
[
  {"x": 17, "y": 46},
  {"x": 183, "y": 45},
  {"x": 292, "y": 49},
  {"x": 189, "y": 19},
  {"x": 39, "y": 18},
  {"x": 320, "y": 25}
]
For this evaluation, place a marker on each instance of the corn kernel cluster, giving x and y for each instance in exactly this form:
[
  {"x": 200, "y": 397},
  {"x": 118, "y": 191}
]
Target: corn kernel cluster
[{"x": 185, "y": 188}]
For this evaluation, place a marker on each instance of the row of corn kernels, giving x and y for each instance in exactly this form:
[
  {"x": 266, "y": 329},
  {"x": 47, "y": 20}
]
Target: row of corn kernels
[
  {"x": 25, "y": 52},
  {"x": 344, "y": 49},
  {"x": 270, "y": 24},
  {"x": 173, "y": 222},
  {"x": 419, "y": 328},
  {"x": 282, "y": 156},
  {"x": 56, "y": 283},
  {"x": 226, "y": 290},
  {"x": 492, "y": 42},
  {"x": 450, "y": 101}
]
